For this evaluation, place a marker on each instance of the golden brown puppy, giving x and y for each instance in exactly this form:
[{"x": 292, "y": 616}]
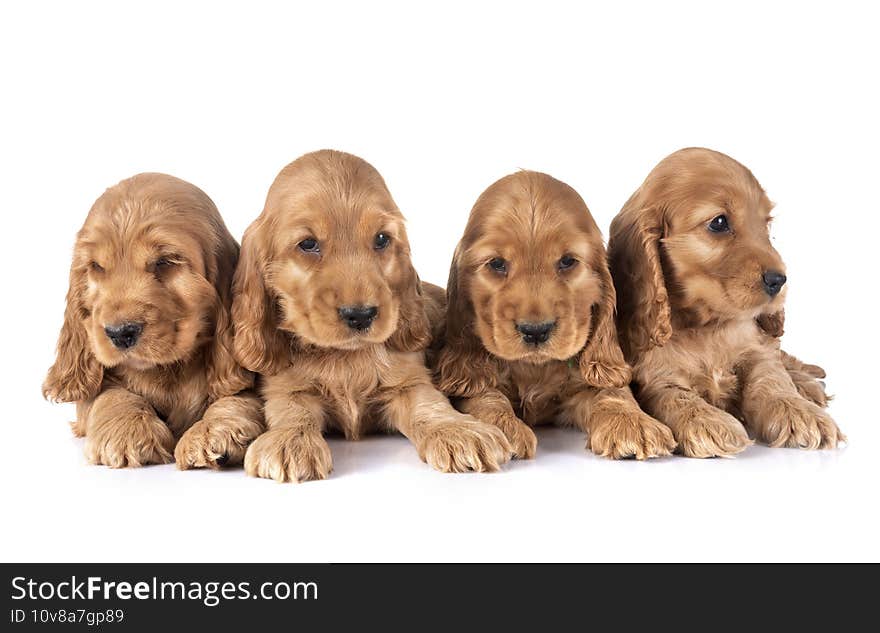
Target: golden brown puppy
[
  {"x": 328, "y": 307},
  {"x": 530, "y": 336},
  {"x": 700, "y": 296},
  {"x": 146, "y": 346}
]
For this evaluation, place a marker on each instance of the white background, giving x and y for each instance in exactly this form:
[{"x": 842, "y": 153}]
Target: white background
[{"x": 443, "y": 101}]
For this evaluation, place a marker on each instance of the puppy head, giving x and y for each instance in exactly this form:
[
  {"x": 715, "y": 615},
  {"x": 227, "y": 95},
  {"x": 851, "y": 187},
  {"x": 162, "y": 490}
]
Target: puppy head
[
  {"x": 327, "y": 261},
  {"x": 529, "y": 282},
  {"x": 693, "y": 242},
  {"x": 149, "y": 285}
]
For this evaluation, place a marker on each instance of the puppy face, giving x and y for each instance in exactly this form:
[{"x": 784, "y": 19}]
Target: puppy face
[
  {"x": 530, "y": 280},
  {"x": 531, "y": 262},
  {"x": 327, "y": 261},
  {"x": 149, "y": 284},
  {"x": 146, "y": 294},
  {"x": 717, "y": 240},
  {"x": 694, "y": 242}
]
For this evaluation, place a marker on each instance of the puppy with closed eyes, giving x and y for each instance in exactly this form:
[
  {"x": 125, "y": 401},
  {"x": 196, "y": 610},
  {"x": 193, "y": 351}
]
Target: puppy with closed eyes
[
  {"x": 329, "y": 309},
  {"x": 530, "y": 335},
  {"x": 146, "y": 346},
  {"x": 700, "y": 309}
]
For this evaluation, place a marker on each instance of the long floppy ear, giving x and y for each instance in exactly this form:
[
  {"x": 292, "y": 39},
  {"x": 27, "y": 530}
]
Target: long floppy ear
[
  {"x": 226, "y": 376},
  {"x": 772, "y": 323},
  {"x": 413, "y": 331},
  {"x": 601, "y": 361},
  {"x": 643, "y": 301},
  {"x": 463, "y": 368},
  {"x": 258, "y": 344},
  {"x": 76, "y": 374}
]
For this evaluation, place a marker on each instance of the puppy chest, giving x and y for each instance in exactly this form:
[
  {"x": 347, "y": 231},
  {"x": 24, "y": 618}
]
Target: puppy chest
[
  {"x": 179, "y": 400},
  {"x": 718, "y": 386},
  {"x": 352, "y": 403},
  {"x": 710, "y": 362},
  {"x": 538, "y": 391}
]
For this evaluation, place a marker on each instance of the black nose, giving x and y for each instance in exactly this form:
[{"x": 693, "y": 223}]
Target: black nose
[
  {"x": 536, "y": 333},
  {"x": 773, "y": 282},
  {"x": 124, "y": 335},
  {"x": 358, "y": 317}
]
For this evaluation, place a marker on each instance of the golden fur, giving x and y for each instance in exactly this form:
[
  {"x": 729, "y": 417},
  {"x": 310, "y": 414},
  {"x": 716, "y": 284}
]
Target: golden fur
[
  {"x": 695, "y": 320},
  {"x": 154, "y": 250},
  {"x": 554, "y": 271},
  {"x": 311, "y": 252}
]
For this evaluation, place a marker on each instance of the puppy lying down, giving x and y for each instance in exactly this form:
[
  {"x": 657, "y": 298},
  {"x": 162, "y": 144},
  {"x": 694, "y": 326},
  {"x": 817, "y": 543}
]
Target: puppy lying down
[
  {"x": 329, "y": 310},
  {"x": 146, "y": 346},
  {"x": 700, "y": 309},
  {"x": 530, "y": 334}
]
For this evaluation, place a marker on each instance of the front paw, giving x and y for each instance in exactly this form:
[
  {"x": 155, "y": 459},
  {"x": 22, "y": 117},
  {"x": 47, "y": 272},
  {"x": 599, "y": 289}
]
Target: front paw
[
  {"x": 216, "y": 442},
  {"x": 712, "y": 433},
  {"x": 522, "y": 439},
  {"x": 797, "y": 423},
  {"x": 462, "y": 445},
  {"x": 135, "y": 441},
  {"x": 285, "y": 454},
  {"x": 630, "y": 433}
]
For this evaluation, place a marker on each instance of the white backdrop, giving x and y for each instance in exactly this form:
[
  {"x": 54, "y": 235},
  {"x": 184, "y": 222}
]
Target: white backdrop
[{"x": 443, "y": 100}]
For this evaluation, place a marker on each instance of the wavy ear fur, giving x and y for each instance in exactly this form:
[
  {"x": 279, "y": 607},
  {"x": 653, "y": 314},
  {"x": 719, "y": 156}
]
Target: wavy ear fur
[
  {"x": 773, "y": 323},
  {"x": 413, "y": 331},
  {"x": 464, "y": 368},
  {"x": 226, "y": 376},
  {"x": 643, "y": 301},
  {"x": 601, "y": 361},
  {"x": 76, "y": 374},
  {"x": 258, "y": 344}
]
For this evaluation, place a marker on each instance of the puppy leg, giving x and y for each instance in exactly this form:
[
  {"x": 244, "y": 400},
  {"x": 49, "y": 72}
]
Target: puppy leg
[
  {"x": 807, "y": 379},
  {"x": 615, "y": 425},
  {"x": 444, "y": 438},
  {"x": 223, "y": 434},
  {"x": 700, "y": 429},
  {"x": 293, "y": 448},
  {"x": 122, "y": 429},
  {"x": 493, "y": 407},
  {"x": 778, "y": 414}
]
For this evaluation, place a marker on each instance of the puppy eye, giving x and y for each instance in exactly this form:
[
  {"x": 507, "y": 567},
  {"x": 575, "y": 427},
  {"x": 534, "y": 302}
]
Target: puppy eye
[
  {"x": 163, "y": 264},
  {"x": 95, "y": 266},
  {"x": 498, "y": 265},
  {"x": 309, "y": 245},
  {"x": 566, "y": 262},
  {"x": 381, "y": 241},
  {"x": 719, "y": 224}
]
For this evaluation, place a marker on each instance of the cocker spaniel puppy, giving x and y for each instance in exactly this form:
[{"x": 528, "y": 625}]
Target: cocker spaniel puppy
[
  {"x": 700, "y": 307},
  {"x": 530, "y": 335},
  {"x": 146, "y": 346},
  {"x": 328, "y": 308}
]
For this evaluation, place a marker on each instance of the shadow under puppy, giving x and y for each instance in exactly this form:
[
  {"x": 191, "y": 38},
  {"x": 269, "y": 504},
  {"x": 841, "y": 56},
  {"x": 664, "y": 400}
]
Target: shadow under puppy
[
  {"x": 700, "y": 306},
  {"x": 530, "y": 335},
  {"x": 329, "y": 309},
  {"x": 146, "y": 346}
]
